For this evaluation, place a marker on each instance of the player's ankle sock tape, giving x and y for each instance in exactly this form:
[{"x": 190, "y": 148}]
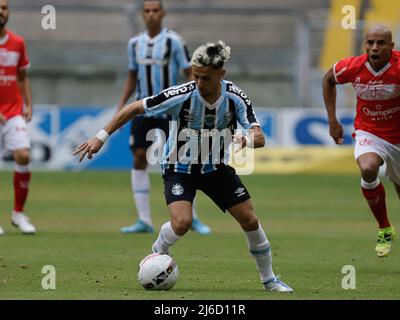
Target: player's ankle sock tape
[
  {"x": 370, "y": 185},
  {"x": 22, "y": 168}
]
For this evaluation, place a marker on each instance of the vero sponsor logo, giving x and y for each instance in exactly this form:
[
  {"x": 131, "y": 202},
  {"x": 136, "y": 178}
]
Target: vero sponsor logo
[{"x": 180, "y": 90}]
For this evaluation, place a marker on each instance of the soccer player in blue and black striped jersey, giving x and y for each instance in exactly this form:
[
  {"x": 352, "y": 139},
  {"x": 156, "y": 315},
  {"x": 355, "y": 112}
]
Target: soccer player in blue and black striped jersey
[
  {"x": 205, "y": 109},
  {"x": 156, "y": 56}
]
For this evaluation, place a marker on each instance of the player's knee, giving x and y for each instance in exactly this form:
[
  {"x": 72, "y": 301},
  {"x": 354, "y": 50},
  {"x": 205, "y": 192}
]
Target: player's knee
[
  {"x": 181, "y": 225},
  {"x": 369, "y": 171},
  {"x": 22, "y": 157},
  {"x": 139, "y": 159},
  {"x": 250, "y": 223}
]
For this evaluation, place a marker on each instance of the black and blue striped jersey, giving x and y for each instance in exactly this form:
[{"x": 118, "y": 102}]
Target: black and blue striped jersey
[{"x": 195, "y": 123}]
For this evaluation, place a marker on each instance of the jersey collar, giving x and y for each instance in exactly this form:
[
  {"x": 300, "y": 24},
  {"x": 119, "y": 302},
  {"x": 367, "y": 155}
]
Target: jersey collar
[
  {"x": 382, "y": 70},
  {"x": 152, "y": 40}
]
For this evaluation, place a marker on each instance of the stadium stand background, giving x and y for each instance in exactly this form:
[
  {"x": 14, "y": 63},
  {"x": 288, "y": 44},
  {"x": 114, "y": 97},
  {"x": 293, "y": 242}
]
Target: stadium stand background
[
  {"x": 83, "y": 61},
  {"x": 281, "y": 50}
]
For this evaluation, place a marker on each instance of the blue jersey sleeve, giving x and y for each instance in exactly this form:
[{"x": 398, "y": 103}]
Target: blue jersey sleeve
[
  {"x": 244, "y": 109},
  {"x": 168, "y": 101},
  {"x": 132, "y": 64}
]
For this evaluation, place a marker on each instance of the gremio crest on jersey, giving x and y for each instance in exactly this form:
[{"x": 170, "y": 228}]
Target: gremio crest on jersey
[{"x": 209, "y": 120}]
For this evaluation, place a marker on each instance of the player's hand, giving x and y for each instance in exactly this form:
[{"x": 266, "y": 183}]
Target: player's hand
[
  {"x": 28, "y": 114},
  {"x": 2, "y": 119},
  {"x": 336, "y": 131},
  {"x": 88, "y": 148},
  {"x": 240, "y": 140}
]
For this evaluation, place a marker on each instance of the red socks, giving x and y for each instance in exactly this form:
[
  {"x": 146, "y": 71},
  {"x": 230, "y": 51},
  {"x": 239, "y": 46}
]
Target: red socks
[
  {"x": 376, "y": 201},
  {"x": 22, "y": 177}
]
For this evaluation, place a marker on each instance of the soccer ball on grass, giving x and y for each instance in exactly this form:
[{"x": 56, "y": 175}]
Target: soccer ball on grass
[{"x": 158, "y": 272}]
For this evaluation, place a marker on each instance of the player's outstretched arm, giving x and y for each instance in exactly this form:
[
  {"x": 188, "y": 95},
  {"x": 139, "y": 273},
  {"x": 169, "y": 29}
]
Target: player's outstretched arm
[
  {"x": 329, "y": 93},
  {"x": 94, "y": 144}
]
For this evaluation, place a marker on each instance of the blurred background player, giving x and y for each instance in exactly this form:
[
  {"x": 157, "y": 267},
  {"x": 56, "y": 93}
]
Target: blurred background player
[
  {"x": 155, "y": 58},
  {"x": 14, "y": 92},
  {"x": 214, "y": 104},
  {"x": 375, "y": 77}
]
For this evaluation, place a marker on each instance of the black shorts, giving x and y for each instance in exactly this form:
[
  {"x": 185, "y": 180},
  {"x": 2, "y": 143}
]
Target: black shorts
[
  {"x": 223, "y": 186},
  {"x": 139, "y": 128}
]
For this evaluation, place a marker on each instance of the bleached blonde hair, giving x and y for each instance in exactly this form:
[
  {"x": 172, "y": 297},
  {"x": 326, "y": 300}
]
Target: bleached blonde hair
[{"x": 211, "y": 54}]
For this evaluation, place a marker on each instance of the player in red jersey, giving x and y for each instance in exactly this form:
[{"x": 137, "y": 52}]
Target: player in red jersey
[
  {"x": 375, "y": 77},
  {"x": 14, "y": 91}
]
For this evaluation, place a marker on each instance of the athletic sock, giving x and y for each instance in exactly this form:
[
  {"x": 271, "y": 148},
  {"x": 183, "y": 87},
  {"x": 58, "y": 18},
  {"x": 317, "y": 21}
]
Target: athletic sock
[
  {"x": 259, "y": 248},
  {"x": 194, "y": 212},
  {"x": 141, "y": 193},
  {"x": 166, "y": 238},
  {"x": 374, "y": 193},
  {"x": 22, "y": 176}
]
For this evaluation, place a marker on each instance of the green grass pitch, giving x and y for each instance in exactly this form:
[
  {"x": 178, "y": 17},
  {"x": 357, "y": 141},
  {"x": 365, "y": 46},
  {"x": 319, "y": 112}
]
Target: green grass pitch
[{"x": 316, "y": 225}]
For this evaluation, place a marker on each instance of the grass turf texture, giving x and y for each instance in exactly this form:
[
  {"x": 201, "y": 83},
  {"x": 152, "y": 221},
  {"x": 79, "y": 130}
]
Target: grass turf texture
[{"x": 316, "y": 225}]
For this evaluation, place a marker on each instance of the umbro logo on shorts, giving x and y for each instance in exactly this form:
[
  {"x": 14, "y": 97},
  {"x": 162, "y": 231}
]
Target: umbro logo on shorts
[
  {"x": 240, "y": 192},
  {"x": 177, "y": 189}
]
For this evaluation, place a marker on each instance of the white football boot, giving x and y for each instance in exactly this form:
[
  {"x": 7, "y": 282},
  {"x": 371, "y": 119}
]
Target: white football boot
[
  {"x": 275, "y": 284},
  {"x": 1, "y": 231},
  {"x": 21, "y": 221}
]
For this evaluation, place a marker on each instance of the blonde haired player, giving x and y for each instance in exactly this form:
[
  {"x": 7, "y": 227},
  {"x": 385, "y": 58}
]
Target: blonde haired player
[{"x": 207, "y": 104}]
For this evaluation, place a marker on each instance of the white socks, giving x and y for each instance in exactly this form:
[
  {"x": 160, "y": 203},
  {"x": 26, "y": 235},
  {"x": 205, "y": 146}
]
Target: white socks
[
  {"x": 166, "y": 238},
  {"x": 194, "y": 212},
  {"x": 370, "y": 185},
  {"x": 21, "y": 168},
  {"x": 141, "y": 193},
  {"x": 259, "y": 248}
]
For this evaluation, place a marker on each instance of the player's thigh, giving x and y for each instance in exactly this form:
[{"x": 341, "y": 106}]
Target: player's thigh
[
  {"x": 15, "y": 139},
  {"x": 370, "y": 152},
  {"x": 179, "y": 192},
  {"x": 21, "y": 156},
  {"x": 179, "y": 187},
  {"x": 224, "y": 187}
]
